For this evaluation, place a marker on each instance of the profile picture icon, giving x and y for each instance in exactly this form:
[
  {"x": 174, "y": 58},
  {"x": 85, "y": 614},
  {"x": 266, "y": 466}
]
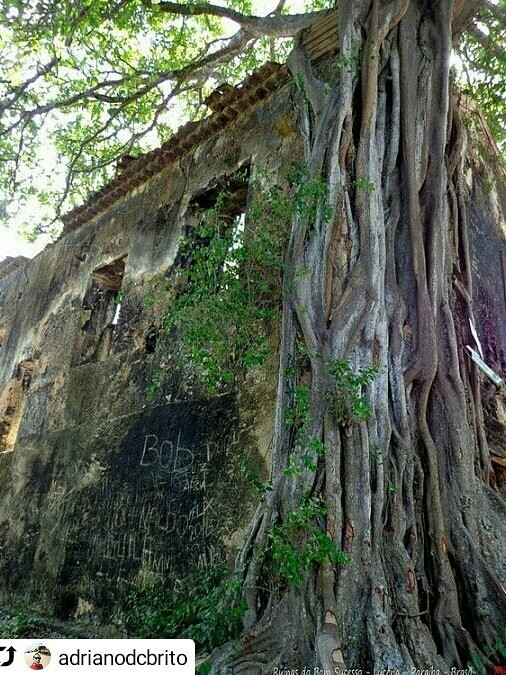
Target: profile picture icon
[{"x": 37, "y": 656}]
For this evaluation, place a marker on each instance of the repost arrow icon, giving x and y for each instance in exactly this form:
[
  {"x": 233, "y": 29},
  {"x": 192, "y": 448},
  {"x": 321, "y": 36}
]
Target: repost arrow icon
[{"x": 10, "y": 651}]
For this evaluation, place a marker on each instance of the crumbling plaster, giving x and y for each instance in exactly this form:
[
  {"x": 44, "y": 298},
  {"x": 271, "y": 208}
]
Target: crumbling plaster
[{"x": 89, "y": 500}]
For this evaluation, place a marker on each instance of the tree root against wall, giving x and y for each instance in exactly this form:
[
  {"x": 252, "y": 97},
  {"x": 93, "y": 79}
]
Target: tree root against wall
[{"x": 388, "y": 283}]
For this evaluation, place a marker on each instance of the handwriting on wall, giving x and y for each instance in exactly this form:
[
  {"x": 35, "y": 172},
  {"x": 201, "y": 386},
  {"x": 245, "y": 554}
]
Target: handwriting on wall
[
  {"x": 168, "y": 514},
  {"x": 166, "y": 454},
  {"x": 159, "y": 497}
]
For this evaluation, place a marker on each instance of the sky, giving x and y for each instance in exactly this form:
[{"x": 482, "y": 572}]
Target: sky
[{"x": 13, "y": 244}]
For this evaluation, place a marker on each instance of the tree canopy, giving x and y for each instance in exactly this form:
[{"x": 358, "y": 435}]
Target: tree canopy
[{"x": 86, "y": 81}]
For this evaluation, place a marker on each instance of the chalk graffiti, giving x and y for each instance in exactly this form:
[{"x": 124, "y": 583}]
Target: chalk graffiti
[
  {"x": 162, "y": 500},
  {"x": 167, "y": 455}
]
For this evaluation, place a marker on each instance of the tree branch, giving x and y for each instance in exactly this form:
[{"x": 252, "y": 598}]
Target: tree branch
[
  {"x": 463, "y": 12},
  {"x": 19, "y": 91},
  {"x": 497, "y": 12},
  {"x": 486, "y": 42},
  {"x": 200, "y": 69},
  {"x": 274, "y": 25},
  {"x": 279, "y": 7},
  {"x": 72, "y": 171}
]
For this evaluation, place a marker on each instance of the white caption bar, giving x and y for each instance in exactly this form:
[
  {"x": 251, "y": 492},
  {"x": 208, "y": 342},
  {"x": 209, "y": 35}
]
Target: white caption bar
[{"x": 78, "y": 657}]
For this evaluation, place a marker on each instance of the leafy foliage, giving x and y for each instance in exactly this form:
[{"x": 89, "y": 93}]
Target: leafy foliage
[
  {"x": 296, "y": 414},
  {"x": 229, "y": 288},
  {"x": 345, "y": 402},
  {"x": 201, "y": 606},
  {"x": 483, "y": 61},
  {"x": 299, "y": 543},
  {"x": 204, "y": 668},
  {"x": 365, "y": 184},
  {"x": 86, "y": 82},
  {"x": 296, "y": 417},
  {"x": 309, "y": 195},
  {"x": 21, "y": 624}
]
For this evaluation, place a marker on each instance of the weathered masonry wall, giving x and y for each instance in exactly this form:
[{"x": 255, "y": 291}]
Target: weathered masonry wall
[{"x": 100, "y": 486}]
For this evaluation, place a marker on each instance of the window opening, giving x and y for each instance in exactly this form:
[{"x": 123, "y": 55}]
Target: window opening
[
  {"x": 228, "y": 197},
  {"x": 206, "y": 286},
  {"x": 110, "y": 276},
  {"x": 101, "y": 310},
  {"x": 236, "y": 188},
  {"x": 12, "y": 404},
  {"x": 237, "y": 239}
]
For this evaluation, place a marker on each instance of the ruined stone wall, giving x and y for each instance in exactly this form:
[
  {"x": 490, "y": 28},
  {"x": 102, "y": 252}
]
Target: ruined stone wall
[{"x": 101, "y": 486}]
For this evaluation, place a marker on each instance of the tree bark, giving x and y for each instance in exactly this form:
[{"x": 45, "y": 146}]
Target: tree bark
[{"x": 406, "y": 488}]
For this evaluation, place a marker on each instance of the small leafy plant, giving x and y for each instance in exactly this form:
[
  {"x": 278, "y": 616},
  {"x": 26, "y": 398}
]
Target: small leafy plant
[
  {"x": 345, "y": 401},
  {"x": 19, "y": 625},
  {"x": 202, "y": 606},
  {"x": 365, "y": 184},
  {"x": 299, "y": 543},
  {"x": 296, "y": 417},
  {"x": 296, "y": 414},
  {"x": 309, "y": 195}
]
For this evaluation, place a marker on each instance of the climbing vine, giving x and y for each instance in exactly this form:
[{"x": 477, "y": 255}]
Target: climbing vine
[
  {"x": 225, "y": 289},
  {"x": 299, "y": 543}
]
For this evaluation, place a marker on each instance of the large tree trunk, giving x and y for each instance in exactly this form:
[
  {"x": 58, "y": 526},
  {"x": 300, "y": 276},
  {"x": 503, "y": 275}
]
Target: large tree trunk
[{"x": 407, "y": 487}]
